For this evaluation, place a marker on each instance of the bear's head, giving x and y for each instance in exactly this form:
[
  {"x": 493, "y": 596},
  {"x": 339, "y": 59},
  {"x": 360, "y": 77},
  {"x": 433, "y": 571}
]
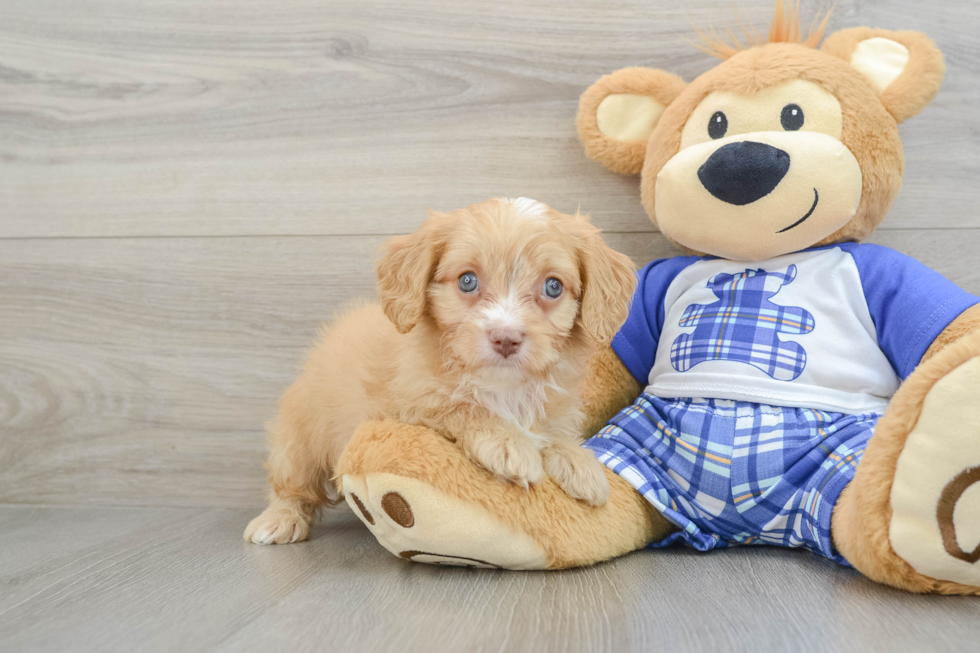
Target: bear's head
[{"x": 780, "y": 147}]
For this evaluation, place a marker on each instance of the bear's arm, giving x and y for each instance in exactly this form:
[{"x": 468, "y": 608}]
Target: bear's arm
[
  {"x": 617, "y": 374},
  {"x": 968, "y": 322},
  {"x": 607, "y": 389}
]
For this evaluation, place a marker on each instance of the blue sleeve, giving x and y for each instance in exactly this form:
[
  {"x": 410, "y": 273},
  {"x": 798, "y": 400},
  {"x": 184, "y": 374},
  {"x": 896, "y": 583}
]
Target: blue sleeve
[
  {"x": 910, "y": 303},
  {"x": 636, "y": 343}
]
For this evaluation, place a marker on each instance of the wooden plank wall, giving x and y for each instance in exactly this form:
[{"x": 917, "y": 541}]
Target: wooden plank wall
[{"x": 187, "y": 188}]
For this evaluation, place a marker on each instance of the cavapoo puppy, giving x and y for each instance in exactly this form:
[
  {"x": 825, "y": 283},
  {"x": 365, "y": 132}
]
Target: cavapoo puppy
[{"x": 488, "y": 317}]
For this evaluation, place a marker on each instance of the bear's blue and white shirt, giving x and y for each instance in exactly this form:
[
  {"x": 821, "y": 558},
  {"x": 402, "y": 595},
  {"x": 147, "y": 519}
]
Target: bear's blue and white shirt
[
  {"x": 834, "y": 328},
  {"x": 765, "y": 382}
]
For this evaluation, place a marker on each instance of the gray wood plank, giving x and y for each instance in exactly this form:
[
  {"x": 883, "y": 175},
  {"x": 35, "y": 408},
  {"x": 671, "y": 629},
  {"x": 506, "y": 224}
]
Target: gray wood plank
[
  {"x": 125, "y": 118},
  {"x": 187, "y": 189},
  {"x": 150, "y": 579},
  {"x": 140, "y": 371}
]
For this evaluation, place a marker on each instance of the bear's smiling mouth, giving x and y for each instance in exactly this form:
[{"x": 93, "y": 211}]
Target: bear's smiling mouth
[{"x": 816, "y": 198}]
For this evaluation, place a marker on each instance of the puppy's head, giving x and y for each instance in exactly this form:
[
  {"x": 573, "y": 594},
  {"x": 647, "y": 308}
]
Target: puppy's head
[{"x": 507, "y": 283}]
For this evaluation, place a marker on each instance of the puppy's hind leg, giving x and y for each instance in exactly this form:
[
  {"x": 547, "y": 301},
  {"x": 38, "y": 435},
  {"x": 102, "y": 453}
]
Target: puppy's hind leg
[{"x": 300, "y": 487}]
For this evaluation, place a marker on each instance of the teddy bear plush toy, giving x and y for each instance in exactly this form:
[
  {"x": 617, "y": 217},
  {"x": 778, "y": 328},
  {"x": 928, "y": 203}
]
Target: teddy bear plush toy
[{"x": 781, "y": 384}]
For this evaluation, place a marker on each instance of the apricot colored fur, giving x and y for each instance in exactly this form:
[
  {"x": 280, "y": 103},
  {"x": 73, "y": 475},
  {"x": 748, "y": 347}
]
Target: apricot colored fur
[{"x": 424, "y": 356}]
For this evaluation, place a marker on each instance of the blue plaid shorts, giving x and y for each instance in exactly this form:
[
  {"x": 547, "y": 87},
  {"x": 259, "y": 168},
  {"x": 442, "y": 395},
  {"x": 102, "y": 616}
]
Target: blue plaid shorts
[{"x": 734, "y": 472}]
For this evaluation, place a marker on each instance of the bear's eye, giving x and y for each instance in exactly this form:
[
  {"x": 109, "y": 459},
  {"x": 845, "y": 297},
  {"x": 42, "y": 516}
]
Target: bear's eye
[
  {"x": 792, "y": 117},
  {"x": 718, "y": 125}
]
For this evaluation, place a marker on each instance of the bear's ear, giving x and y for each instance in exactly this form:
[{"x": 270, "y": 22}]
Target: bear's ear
[
  {"x": 904, "y": 68},
  {"x": 618, "y": 112}
]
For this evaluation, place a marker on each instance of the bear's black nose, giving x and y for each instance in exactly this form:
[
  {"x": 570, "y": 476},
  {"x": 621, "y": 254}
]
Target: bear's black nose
[{"x": 740, "y": 173}]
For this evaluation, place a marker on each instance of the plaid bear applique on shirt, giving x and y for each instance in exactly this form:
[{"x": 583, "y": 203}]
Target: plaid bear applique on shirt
[{"x": 743, "y": 326}]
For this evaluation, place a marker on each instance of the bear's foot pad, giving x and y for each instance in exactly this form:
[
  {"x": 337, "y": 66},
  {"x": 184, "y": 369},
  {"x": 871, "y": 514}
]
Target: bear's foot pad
[
  {"x": 935, "y": 496},
  {"x": 418, "y": 522}
]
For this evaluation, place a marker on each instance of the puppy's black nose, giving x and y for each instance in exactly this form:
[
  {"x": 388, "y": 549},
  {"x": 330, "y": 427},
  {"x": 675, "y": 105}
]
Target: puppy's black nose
[
  {"x": 506, "y": 341},
  {"x": 741, "y": 173}
]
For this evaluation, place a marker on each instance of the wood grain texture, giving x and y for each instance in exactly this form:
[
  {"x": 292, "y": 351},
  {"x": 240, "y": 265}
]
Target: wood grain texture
[
  {"x": 127, "y": 118},
  {"x": 181, "y": 579},
  {"x": 188, "y": 188},
  {"x": 140, "y": 371}
]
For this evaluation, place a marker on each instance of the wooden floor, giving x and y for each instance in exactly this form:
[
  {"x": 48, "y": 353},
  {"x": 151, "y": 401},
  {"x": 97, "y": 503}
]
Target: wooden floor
[
  {"x": 188, "y": 188},
  {"x": 177, "y": 579}
]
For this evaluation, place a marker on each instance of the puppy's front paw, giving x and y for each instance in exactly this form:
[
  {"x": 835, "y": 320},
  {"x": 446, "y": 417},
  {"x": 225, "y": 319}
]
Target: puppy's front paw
[
  {"x": 514, "y": 458},
  {"x": 578, "y": 473},
  {"x": 277, "y": 526}
]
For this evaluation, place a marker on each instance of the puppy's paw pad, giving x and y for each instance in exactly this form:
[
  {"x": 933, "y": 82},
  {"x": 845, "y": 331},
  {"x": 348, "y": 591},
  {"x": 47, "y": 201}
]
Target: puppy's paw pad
[
  {"x": 579, "y": 474},
  {"x": 514, "y": 459},
  {"x": 277, "y": 527}
]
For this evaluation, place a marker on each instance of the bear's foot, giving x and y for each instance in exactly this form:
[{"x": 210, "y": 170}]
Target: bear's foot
[
  {"x": 418, "y": 522},
  {"x": 911, "y": 517},
  {"x": 935, "y": 497},
  {"x": 425, "y": 501}
]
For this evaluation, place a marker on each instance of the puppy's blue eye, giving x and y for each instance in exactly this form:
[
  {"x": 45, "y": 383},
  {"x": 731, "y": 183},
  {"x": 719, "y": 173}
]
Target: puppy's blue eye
[
  {"x": 552, "y": 287},
  {"x": 468, "y": 282}
]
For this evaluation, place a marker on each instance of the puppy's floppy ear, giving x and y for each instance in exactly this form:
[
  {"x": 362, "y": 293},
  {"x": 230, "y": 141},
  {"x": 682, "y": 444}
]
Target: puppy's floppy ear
[
  {"x": 608, "y": 282},
  {"x": 904, "y": 68},
  {"x": 404, "y": 273},
  {"x": 617, "y": 114}
]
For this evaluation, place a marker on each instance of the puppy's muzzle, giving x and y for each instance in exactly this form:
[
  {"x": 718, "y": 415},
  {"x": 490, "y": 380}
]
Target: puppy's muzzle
[
  {"x": 506, "y": 341},
  {"x": 741, "y": 173}
]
